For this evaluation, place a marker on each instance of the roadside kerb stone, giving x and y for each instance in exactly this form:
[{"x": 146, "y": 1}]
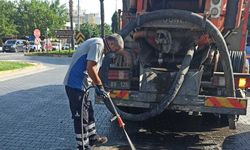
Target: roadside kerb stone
[{"x": 11, "y": 74}]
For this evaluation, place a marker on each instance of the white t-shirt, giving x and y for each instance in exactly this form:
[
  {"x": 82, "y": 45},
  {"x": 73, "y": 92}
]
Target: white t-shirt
[{"x": 92, "y": 49}]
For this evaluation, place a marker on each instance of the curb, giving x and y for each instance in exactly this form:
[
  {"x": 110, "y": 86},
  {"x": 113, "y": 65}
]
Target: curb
[
  {"x": 48, "y": 55},
  {"x": 11, "y": 74}
]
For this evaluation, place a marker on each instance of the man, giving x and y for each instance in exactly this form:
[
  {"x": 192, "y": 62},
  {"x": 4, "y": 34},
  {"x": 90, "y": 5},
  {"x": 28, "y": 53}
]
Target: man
[{"x": 85, "y": 63}]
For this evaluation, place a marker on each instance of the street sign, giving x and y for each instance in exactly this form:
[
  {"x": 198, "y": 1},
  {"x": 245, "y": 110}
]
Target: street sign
[
  {"x": 79, "y": 38},
  {"x": 37, "y": 33},
  {"x": 64, "y": 33}
]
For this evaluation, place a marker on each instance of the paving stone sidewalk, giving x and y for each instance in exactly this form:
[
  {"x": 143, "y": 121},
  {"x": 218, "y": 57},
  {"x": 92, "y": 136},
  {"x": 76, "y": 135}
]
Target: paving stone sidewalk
[{"x": 35, "y": 115}]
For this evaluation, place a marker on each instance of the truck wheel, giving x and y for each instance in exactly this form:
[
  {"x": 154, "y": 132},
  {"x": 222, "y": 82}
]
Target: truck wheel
[{"x": 232, "y": 119}]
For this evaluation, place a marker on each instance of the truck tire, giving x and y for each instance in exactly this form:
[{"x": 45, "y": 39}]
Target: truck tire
[
  {"x": 232, "y": 121},
  {"x": 189, "y": 17}
]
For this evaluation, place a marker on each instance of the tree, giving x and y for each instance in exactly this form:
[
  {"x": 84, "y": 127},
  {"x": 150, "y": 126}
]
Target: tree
[
  {"x": 58, "y": 16},
  {"x": 7, "y": 26},
  {"x": 107, "y": 29},
  {"x": 88, "y": 30},
  {"x": 25, "y": 16},
  {"x": 93, "y": 30},
  {"x": 115, "y": 22}
]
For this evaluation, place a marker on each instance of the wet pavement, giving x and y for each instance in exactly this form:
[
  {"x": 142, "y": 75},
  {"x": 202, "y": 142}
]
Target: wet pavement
[{"x": 34, "y": 115}]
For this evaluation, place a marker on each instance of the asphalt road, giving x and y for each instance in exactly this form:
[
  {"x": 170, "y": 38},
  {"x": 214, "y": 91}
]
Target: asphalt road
[{"x": 34, "y": 115}]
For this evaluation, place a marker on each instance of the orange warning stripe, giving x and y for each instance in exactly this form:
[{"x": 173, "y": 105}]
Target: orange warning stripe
[
  {"x": 119, "y": 94},
  {"x": 225, "y": 102}
]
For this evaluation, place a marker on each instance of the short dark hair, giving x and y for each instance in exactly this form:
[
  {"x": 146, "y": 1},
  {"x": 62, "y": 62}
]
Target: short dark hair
[{"x": 117, "y": 39}]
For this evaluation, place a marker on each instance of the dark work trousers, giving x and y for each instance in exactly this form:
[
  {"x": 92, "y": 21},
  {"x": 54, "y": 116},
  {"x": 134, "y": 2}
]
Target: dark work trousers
[{"x": 77, "y": 98}]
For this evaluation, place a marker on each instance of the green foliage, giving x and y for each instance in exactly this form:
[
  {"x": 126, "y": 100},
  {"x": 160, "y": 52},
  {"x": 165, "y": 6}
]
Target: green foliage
[
  {"x": 23, "y": 16},
  {"x": 89, "y": 30},
  {"x": 94, "y": 30},
  {"x": 107, "y": 29},
  {"x": 7, "y": 26},
  {"x": 10, "y": 65},
  {"x": 52, "y": 53}
]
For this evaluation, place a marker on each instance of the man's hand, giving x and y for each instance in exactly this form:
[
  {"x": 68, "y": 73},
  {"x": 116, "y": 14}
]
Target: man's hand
[{"x": 100, "y": 91}]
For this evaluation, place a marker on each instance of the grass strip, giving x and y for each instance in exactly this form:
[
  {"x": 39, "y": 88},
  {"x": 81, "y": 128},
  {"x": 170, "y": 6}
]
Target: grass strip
[
  {"x": 52, "y": 53},
  {"x": 12, "y": 65}
]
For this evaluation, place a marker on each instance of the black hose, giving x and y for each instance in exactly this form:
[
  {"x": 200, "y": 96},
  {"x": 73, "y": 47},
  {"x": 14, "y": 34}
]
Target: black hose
[
  {"x": 167, "y": 99},
  {"x": 237, "y": 59},
  {"x": 197, "y": 20}
]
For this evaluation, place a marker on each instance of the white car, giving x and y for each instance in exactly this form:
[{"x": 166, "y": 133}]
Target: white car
[
  {"x": 66, "y": 46},
  {"x": 34, "y": 47},
  {"x": 56, "y": 46},
  {"x": 76, "y": 46}
]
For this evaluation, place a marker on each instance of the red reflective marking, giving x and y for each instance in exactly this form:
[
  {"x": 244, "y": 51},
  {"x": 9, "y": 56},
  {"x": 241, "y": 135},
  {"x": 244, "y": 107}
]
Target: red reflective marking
[
  {"x": 122, "y": 94},
  {"x": 236, "y": 104},
  {"x": 214, "y": 101}
]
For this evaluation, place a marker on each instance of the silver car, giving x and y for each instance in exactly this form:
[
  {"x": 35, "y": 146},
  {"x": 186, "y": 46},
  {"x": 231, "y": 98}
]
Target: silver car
[{"x": 15, "y": 45}]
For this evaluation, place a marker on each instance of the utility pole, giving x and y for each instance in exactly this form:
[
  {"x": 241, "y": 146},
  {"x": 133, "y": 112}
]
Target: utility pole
[
  {"x": 119, "y": 19},
  {"x": 102, "y": 18},
  {"x": 115, "y": 5},
  {"x": 78, "y": 15},
  {"x": 71, "y": 22}
]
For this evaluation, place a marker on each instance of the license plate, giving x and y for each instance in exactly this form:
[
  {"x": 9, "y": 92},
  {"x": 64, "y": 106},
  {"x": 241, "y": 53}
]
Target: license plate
[{"x": 120, "y": 84}]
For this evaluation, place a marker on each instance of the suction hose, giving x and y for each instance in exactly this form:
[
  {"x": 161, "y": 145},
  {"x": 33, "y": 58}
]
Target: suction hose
[{"x": 209, "y": 28}]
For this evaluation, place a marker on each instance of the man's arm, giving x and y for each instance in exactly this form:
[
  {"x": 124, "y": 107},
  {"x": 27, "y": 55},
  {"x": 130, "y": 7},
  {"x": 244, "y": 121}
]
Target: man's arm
[{"x": 92, "y": 72}]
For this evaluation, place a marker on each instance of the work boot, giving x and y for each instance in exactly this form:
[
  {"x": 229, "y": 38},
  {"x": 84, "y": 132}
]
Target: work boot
[{"x": 98, "y": 140}]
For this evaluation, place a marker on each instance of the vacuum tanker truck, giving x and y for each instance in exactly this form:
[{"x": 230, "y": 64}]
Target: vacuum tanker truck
[{"x": 181, "y": 55}]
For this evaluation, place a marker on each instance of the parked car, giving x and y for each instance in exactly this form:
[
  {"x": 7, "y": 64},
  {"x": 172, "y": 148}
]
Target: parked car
[
  {"x": 15, "y": 45},
  {"x": 66, "y": 46},
  {"x": 34, "y": 47},
  {"x": 56, "y": 46},
  {"x": 76, "y": 46}
]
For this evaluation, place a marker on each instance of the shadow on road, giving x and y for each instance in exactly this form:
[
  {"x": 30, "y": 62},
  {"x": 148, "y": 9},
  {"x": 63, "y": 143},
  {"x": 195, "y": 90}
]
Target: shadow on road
[
  {"x": 237, "y": 141},
  {"x": 50, "y": 60},
  {"x": 174, "y": 131},
  {"x": 39, "y": 118}
]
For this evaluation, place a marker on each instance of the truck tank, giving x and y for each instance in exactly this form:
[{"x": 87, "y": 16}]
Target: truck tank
[{"x": 175, "y": 50}]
